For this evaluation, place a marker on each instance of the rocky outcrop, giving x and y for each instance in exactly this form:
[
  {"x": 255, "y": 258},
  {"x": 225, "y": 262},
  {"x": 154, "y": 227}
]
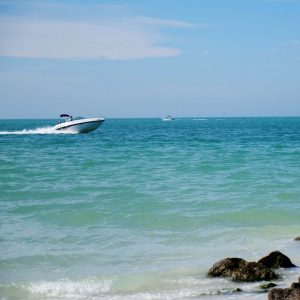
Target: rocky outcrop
[
  {"x": 292, "y": 293},
  {"x": 297, "y": 238},
  {"x": 276, "y": 260},
  {"x": 240, "y": 270}
]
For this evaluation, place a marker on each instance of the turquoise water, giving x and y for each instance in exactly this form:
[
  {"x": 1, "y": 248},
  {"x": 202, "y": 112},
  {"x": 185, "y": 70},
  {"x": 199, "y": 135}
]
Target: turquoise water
[{"x": 140, "y": 208}]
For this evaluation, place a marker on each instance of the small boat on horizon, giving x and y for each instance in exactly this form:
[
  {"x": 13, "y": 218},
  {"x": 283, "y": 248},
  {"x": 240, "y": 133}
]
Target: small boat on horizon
[
  {"x": 78, "y": 124},
  {"x": 168, "y": 118}
]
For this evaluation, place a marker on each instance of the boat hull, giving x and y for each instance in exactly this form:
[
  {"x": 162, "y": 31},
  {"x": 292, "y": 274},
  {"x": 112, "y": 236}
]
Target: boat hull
[{"x": 80, "y": 126}]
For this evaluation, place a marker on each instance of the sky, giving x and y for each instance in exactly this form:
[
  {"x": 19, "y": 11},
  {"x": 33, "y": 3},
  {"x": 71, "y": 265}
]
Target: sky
[{"x": 149, "y": 58}]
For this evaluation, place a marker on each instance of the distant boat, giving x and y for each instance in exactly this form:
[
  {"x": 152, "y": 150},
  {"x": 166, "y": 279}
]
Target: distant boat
[
  {"x": 168, "y": 118},
  {"x": 78, "y": 124}
]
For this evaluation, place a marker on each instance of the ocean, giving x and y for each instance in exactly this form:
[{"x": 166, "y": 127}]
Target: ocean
[{"x": 141, "y": 209}]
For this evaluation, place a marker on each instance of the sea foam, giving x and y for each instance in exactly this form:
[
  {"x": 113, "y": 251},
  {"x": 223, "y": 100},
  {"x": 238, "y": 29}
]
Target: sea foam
[{"x": 71, "y": 289}]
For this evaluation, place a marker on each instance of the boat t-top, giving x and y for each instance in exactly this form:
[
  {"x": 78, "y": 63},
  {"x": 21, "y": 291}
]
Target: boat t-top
[
  {"x": 168, "y": 118},
  {"x": 78, "y": 124}
]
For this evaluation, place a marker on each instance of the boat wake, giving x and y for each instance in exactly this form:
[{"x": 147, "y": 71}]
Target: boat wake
[{"x": 39, "y": 130}]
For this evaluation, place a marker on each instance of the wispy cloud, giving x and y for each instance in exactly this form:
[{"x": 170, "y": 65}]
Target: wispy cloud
[
  {"x": 295, "y": 42},
  {"x": 169, "y": 23},
  {"x": 62, "y": 39},
  {"x": 112, "y": 38}
]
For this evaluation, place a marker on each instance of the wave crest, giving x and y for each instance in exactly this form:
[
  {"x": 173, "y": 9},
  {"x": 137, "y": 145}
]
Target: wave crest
[{"x": 71, "y": 289}]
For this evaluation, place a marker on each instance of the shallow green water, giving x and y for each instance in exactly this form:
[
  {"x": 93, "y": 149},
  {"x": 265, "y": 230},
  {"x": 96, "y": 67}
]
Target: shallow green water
[{"x": 140, "y": 208}]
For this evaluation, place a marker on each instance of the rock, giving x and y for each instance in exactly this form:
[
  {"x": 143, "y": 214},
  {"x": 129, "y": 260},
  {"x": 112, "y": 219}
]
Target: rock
[
  {"x": 241, "y": 270},
  {"x": 276, "y": 260},
  {"x": 297, "y": 238},
  {"x": 267, "y": 285},
  {"x": 292, "y": 293}
]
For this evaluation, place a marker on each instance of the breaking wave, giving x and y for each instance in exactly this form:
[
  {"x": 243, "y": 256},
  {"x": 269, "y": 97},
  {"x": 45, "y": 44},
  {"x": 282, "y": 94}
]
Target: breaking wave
[
  {"x": 117, "y": 289},
  {"x": 39, "y": 130},
  {"x": 71, "y": 289}
]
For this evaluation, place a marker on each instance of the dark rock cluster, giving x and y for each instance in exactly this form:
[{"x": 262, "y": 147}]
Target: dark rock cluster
[
  {"x": 292, "y": 293},
  {"x": 240, "y": 270}
]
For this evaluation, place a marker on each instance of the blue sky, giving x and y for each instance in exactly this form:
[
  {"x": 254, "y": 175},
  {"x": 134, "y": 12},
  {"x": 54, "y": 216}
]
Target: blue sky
[{"x": 149, "y": 58}]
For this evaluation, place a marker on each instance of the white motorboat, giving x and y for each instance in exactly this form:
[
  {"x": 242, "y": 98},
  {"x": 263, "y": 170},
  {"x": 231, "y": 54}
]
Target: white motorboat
[
  {"x": 78, "y": 124},
  {"x": 168, "y": 118}
]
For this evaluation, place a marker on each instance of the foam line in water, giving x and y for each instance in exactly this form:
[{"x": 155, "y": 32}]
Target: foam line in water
[
  {"x": 39, "y": 130},
  {"x": 102, "y": 290},
  {"x": 71, "y": 289},
  {"x": 125, "y": 288}
]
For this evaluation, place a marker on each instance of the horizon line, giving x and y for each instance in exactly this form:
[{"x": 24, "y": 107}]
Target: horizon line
[{"x": 159, "y": 117}]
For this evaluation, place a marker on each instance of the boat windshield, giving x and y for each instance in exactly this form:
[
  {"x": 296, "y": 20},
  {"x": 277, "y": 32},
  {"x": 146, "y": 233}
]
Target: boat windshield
[{"x": 68, "y": 118}]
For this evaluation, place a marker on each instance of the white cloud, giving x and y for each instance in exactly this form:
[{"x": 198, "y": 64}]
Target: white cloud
[
  {"x": 168, "y": 23},
  {"x": 122, "y": 39}
]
